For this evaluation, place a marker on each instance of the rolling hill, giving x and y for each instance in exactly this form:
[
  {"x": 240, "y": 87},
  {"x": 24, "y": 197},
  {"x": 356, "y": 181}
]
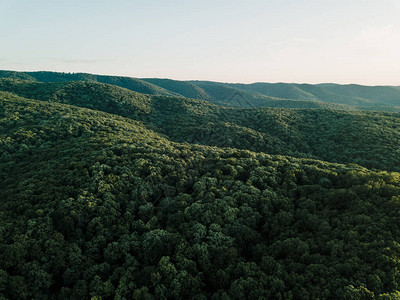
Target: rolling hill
[
  {"x": 96, "y": 205},
  {"x": 99, "y": 96},
  {"x": 133, "y": 84},
  {"x": 367, "y": 138},
  {"x": 349, "y": 97},
  {"x": 282, "y": 95},
  {"x": 182, "y": 88},
  {"x": 109, "y": 193},
  {"x": 234, "y": 96}
]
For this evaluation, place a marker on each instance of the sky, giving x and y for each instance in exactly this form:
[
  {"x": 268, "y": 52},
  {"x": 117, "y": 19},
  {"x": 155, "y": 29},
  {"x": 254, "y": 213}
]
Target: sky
[{"x": 312, "y": 41}]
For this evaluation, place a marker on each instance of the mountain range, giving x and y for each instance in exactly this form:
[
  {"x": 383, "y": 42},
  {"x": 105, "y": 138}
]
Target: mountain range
[
  {"x": 126, "y": 188},
  {"x": 285, "y": 95}
]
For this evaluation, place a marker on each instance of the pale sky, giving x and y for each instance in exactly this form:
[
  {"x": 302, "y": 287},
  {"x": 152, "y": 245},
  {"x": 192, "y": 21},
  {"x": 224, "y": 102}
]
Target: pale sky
[{"x": 339, "y": 41}]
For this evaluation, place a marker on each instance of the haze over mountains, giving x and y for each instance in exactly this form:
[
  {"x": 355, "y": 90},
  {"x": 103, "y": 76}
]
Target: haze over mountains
[{"x": 126, "y": 188}]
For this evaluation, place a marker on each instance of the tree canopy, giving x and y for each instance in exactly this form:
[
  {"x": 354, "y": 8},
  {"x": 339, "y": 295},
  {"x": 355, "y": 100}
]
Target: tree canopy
[{"x": 107, "y": 193}]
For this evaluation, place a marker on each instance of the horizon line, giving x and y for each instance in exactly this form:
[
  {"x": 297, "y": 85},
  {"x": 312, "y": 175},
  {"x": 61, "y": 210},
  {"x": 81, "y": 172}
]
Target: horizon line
[{"x": 207, "y": 80}]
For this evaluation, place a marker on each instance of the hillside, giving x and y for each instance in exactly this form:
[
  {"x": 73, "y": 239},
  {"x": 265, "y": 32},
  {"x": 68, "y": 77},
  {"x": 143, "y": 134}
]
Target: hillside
[
  {"x": 389, "y": 95},
  {"x": 370, "y": 139},
  {"x": 16, "y": 75},
  {"x": 99, "y": 96},
  {"x": 346, "y": 97},
  {"x": 301, "y": 92},
  {"x": 94, "y": 204},
  {"x": 232, "y": 96},
  {"x": 130, "y": 83},
  {"x": 182, "y": 88},
  {"x": 357, "y": 96},
  {"x": 280, "y": 95}
]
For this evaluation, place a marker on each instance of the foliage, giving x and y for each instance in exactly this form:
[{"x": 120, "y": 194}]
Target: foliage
[
  {"x": 133, "y": 84},
  {"x": 356, "y": 96},
  {"x": 96, "y": 205},
  {"x": 110, "y": 193},
  {"x": 366, "y": 138},
  {"x": 261, "y": 94},
  {"x": 241, "y": 95},
  {"x": 183, "y": 88},
  {"x": 98, "y": 96}
]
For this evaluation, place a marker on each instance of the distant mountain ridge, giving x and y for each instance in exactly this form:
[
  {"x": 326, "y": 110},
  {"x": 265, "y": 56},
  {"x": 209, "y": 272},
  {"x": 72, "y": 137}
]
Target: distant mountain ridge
[
  {"x": 260, "y": 94},
  {"x": 130, "y": 83},
  {"x": 325, "y": 134}
]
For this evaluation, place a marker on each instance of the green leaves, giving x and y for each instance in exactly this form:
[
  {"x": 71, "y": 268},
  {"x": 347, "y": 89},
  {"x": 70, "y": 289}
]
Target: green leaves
[{"x": 97, "y": 205}]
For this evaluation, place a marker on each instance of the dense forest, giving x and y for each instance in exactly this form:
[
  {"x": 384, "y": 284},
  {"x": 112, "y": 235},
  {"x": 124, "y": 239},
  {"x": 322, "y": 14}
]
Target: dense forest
[
  {"x": 367, "y": 138},
  {"x": 261, "y": 94},
  {"x": 108, "y": 192}
]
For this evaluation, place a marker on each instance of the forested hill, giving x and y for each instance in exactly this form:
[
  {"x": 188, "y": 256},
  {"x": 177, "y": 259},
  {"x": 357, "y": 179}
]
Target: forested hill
[
  {"x": 370, "y": 139},
  {"x": 96, "y": 205},
  {"x": 130, "y": 83},
  {"x": 355, "y": 96},
  {"x": 109, "y": 193},
  {"x": 283, "y": 95},
  {"x": 98, "y": 96}
]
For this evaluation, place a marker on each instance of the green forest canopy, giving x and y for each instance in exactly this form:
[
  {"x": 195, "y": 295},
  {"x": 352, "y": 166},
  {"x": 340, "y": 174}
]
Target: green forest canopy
[
  {"x": 105, "y": 193},
  {"x": 261, "y": 94}
]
